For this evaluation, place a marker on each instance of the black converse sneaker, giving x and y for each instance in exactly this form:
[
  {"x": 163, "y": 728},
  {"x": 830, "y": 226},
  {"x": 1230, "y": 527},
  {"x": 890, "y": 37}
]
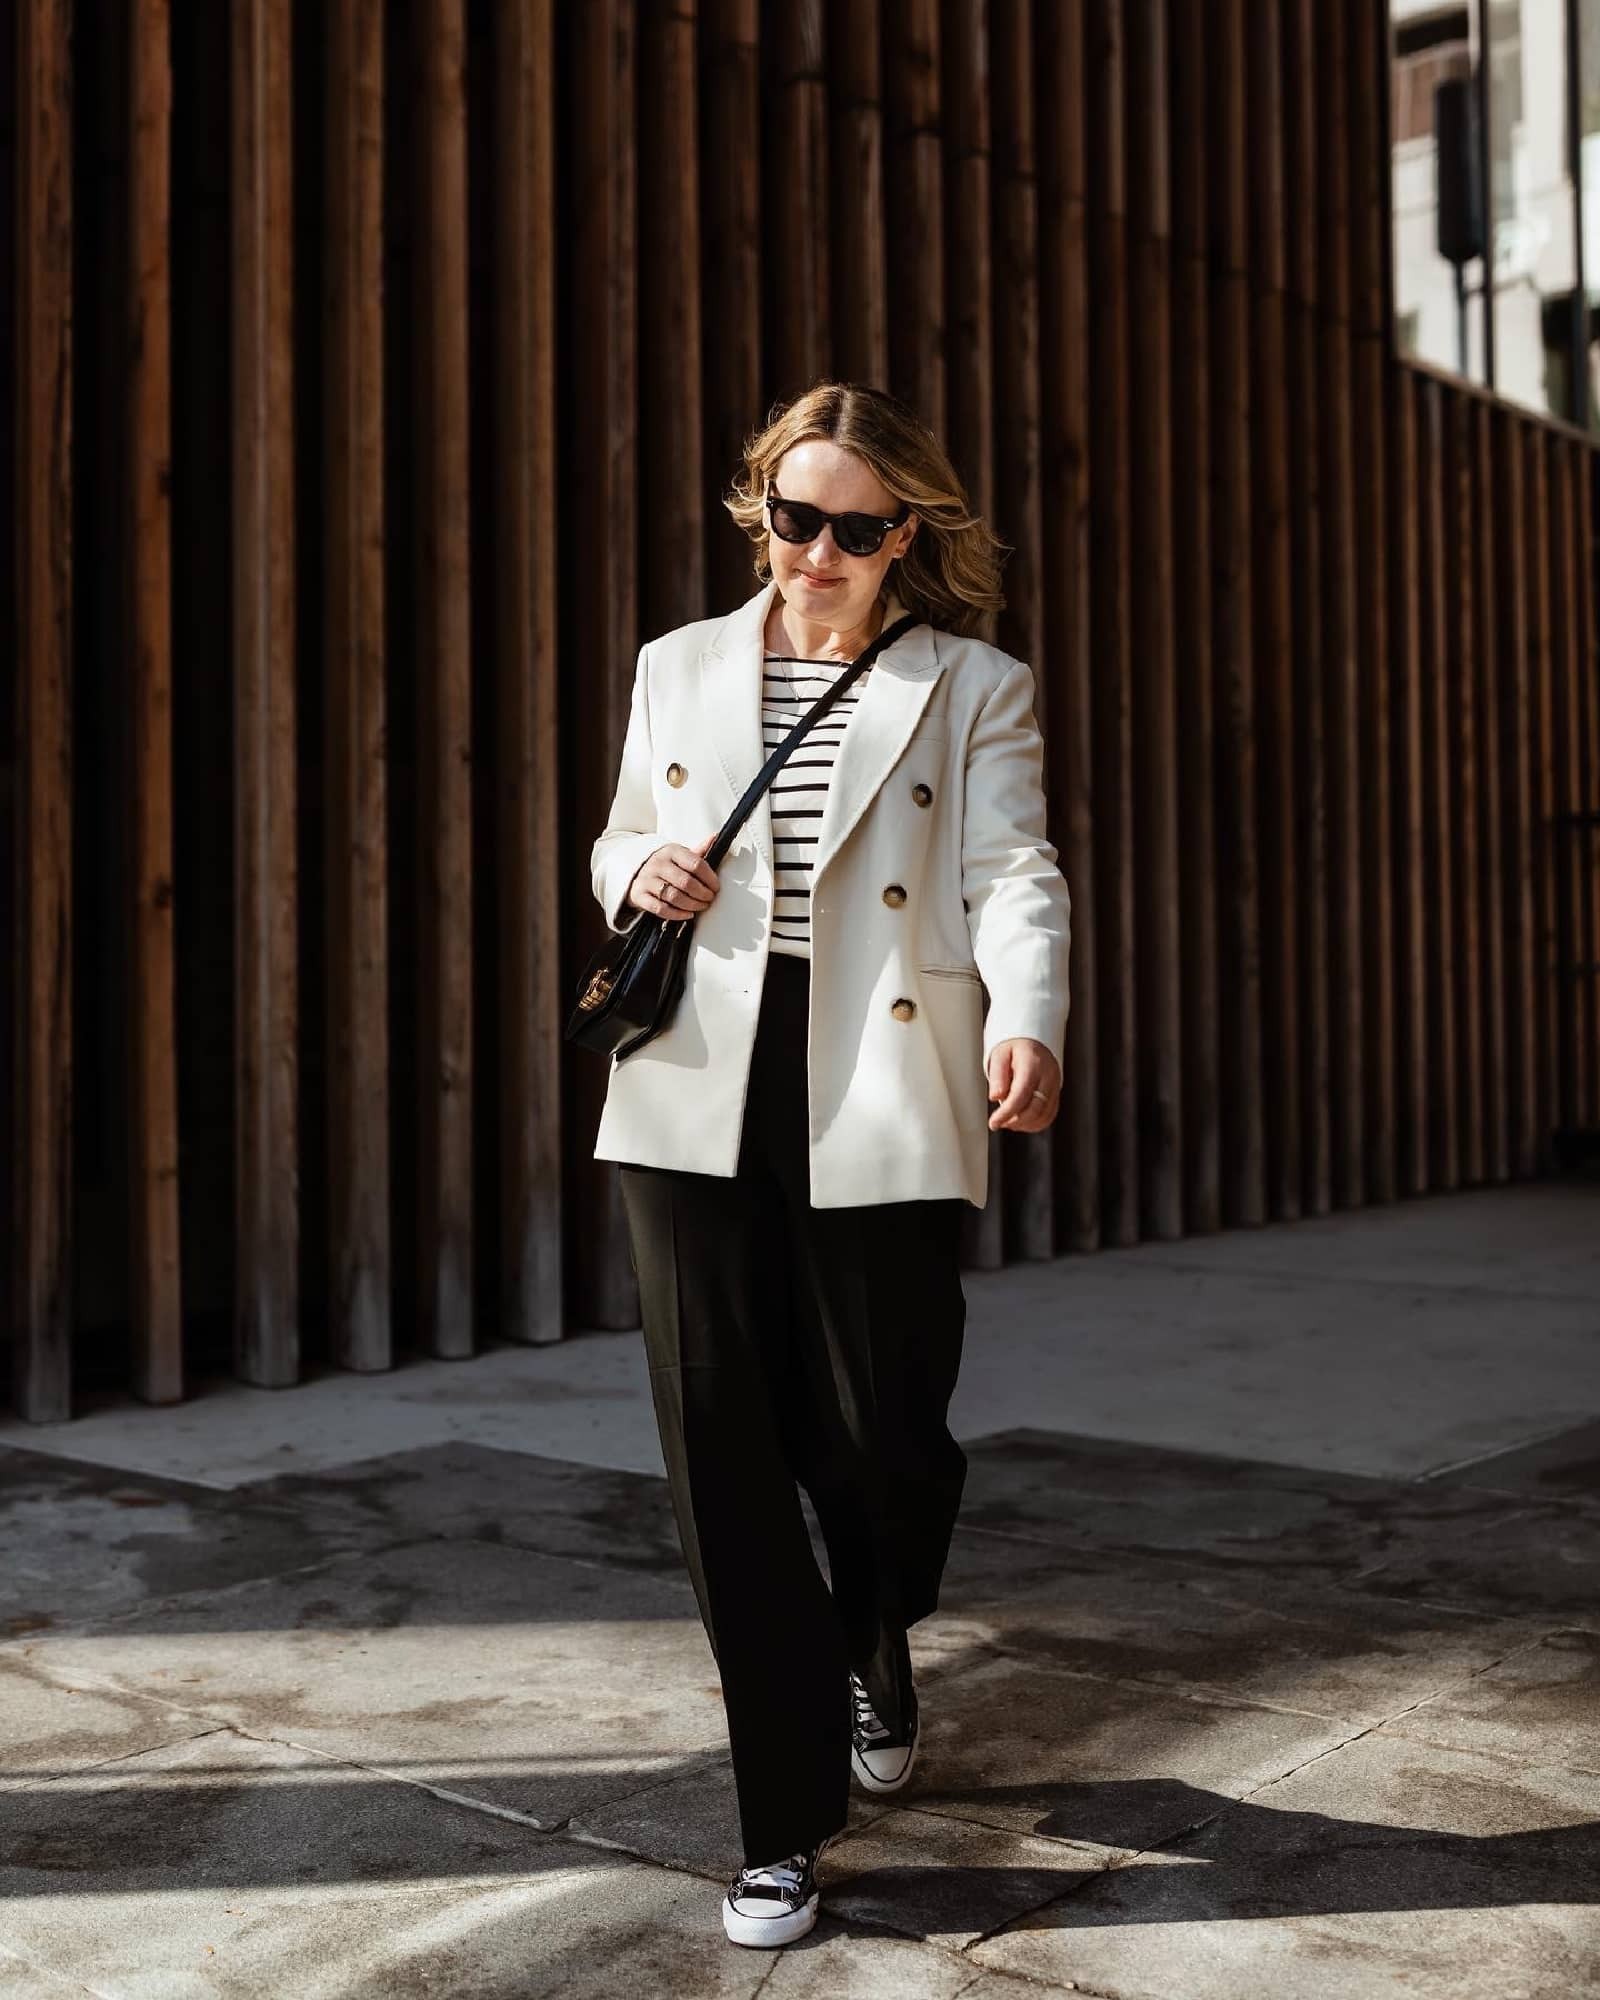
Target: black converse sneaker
[
  {"x": 881, "y": 1759},
  {"x": 776, "y": 1904}
]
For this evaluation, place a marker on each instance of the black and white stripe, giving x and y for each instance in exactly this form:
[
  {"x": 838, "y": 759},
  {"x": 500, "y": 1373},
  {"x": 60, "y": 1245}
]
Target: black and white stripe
[{"x": 788, "y": 688}]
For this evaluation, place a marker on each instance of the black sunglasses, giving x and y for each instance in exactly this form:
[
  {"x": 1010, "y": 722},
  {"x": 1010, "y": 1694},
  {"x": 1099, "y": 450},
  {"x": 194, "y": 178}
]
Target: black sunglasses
[{"x": 856, "y": 534}]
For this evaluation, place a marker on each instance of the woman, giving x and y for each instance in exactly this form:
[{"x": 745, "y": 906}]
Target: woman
[{"x": 798, "y": 1144}]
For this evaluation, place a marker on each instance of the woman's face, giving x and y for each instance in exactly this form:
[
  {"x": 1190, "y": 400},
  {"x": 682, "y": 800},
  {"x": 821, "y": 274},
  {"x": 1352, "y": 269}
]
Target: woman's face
[{"x": 817, "y": 579}]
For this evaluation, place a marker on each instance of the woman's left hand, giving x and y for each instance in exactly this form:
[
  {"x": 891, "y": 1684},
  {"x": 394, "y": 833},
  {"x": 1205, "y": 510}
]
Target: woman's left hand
[{"x": 1026, "y": 1078}]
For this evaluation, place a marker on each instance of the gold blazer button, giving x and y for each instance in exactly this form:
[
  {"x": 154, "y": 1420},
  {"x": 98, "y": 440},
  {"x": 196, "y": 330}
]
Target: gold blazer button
[
  {"x": 894, "y": 895},
  {"x": 676, "y": 774},
  {"x": 923, "y": 794},
  {"x": 904, "y": 1010}
]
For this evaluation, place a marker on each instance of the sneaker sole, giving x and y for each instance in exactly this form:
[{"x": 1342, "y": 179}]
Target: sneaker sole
[
  {"x": 879, "y": 1785},
  {"x": 769, "y": 1932}
]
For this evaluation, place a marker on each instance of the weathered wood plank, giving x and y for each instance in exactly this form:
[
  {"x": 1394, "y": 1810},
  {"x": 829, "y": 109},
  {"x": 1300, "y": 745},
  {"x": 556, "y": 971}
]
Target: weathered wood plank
[
  {"x": 266, "y": 896},
  {"x": 444, "y": 1051},
  {"x": 1341, "y": 722},
  {"x": 730, "y": 273},
  {"x": 355, "y": 705},
  {"x": 599, "y": 604},
  {"x": 858, "y": 253},
  {"x": 1404, "y": 774},
  {"x": 1111, "y": 558},
  {"x": 795, "y": 128},
  {"x": 41, "y": 1084},
  {"x": 1521, "y": 842},
  {"x": 1490, "y": 879},
  {"x": 527, "y": 773},
  {"x": 1438, "y": 849},
  {"x": 914, "y": 170},
  {"x": 1273, "y": 610},
  {"x": 1066, "y": 662},
  {"x": 1461, "y": 831},
  {"x": 1301, "y": 167},
  {"x": 1154, "y": 689},
  {"x": 968, "y": 368},
  {"x": 154, "y": 1258},
  {"x": 1367, "y": 151},
  {"x": 1568, "y": 667},
  {"x": 1233, "y": 657},
  {"x": 1536, "y": 494},
  {"x": 1029, "y": 1184}
]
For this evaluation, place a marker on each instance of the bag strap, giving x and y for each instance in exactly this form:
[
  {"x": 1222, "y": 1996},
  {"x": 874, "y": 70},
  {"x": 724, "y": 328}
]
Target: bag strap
[{"x": 717, "y": 852}]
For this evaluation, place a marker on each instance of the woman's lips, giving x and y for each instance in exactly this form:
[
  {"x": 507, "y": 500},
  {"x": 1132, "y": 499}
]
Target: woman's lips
[{"x": 821, "y": 582}]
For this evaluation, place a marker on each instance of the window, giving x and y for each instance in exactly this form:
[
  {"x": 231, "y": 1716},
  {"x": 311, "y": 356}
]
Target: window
[{"x": 1493, "y": 107}]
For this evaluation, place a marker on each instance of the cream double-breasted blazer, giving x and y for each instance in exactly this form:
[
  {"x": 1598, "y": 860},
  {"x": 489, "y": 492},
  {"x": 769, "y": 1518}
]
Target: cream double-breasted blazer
[{"x": 940, "y": 922}]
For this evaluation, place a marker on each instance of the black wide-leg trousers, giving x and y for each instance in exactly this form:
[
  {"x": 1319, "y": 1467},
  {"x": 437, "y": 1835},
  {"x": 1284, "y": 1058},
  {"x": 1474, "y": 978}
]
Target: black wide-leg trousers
[{"x": 792, "y": 1346}]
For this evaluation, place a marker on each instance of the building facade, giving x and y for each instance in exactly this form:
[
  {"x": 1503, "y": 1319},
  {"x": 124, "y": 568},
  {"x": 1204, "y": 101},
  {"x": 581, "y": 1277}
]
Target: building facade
[{"x": 373, "y": 376}]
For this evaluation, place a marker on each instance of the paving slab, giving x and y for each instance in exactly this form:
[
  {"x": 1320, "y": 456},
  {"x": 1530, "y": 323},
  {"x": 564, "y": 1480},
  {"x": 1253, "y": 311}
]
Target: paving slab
[
  {"x": 233, "y": 1867},
  {"x": 1341, "y": 1654},
  {"x": 1542, "y": 1705},
  {"x": 947, "y": 1880},
  {"x": 526, "y": 1681},
  {"x": 48, "y": 1727},
  {"x": 83, "y": 1541},
  {"x": 1566, "y": 1464},
  {"x": 689, "y": 1822},
  {"x": 20, "y": 1979},
  {"x": 1387, "y": 1869},
  {"x": 1102, "y": 1764},
  {"x": 1417, "y": 1539},
  {"x": 475, "y": 1491}
]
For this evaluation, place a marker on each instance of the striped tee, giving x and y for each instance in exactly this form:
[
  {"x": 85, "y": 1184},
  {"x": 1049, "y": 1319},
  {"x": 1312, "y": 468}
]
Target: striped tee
[{"x": 788, "y": 688}]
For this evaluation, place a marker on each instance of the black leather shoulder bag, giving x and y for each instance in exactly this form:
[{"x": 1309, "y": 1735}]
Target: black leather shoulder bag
[{"x": 634, "y": 981}]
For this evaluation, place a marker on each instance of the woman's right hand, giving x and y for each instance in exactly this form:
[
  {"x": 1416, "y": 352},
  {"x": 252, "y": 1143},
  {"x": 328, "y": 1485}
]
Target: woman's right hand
[{"x": 674, "y": 881}]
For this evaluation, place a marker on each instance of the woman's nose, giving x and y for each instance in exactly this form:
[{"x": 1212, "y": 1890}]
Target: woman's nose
[{"x": 823, "y": 550}]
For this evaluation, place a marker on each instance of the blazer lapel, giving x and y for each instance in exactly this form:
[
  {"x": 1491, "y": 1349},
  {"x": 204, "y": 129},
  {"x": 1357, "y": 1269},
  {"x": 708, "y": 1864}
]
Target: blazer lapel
[
  {"x": 730, "y": 694},
  {"x": 893, "y": 696}
]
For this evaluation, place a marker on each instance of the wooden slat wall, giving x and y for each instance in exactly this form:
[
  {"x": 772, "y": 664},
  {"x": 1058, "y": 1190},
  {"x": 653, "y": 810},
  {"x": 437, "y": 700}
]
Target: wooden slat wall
[{"x": 1314, "y": 631}]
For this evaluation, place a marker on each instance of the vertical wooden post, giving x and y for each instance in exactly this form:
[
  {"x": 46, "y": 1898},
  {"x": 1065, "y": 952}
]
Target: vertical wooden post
[
  {"x": 914, "y": 172},
  {"x": 1521, "y": 847},
  {"x": 356, "y": 925},
  {"x": 730, "y": 273},
  {"x": 266, "y": 1072},
  {"x": 1461, "y": 797},
  {"x": 1492, "y": 761},
  {"x": 42, "y": 1084},
  {"x": 153, "y": 1120},
  {"x": 1066, "y": 658},
  {"x": 1341, "y": 711},
  {"x": 1275, "y": 649},
  {"x": 859, "y": 279},
  {"x": 1154, "y": 679},
  {"x": 527, "y": 817},
  {"x": 1536, "y": 490},
  {"x": 1028, "y": 1183},
  {"x": 962, "y": 97},
  {"x": 1367, "y": 152},
  {"x": 444, "y": 1238},
  {"x": 1437, "y": 845},
  {"x": 796, "y": 128},
  {"x": 599, "y": 604},
  {"x": 1189, "y": 42},
  {"x": 1111, "y": 557},
  {"x": 1243, "y": 1127},
  {"x": 1407, "y": 552},
  {"x": 1302, "y": 161}
]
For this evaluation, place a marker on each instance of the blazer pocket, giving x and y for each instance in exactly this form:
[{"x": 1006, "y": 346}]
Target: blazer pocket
[{"x": 966, "y": 972}]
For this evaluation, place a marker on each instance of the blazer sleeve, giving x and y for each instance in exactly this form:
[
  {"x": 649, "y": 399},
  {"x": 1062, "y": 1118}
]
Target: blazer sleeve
[
  {"x": 1019, "y": 913},
  {"x": 630, "y": 835}
]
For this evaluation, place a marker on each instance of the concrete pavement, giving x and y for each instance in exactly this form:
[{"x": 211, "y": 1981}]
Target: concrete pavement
[{"x": 1268, "y": 1660}]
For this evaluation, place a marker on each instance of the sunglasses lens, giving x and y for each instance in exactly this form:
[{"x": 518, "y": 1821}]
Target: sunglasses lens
[
  {"x": 859, "y": 534},
  {"x": 794, "y": 521}
]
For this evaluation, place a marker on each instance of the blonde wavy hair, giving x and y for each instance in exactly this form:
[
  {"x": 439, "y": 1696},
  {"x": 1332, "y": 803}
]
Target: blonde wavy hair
[{"x": 950, "y": 575}]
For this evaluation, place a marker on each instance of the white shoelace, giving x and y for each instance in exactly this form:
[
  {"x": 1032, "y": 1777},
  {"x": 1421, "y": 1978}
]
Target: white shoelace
[
  {"x": 777, "y": 1874},
  {"x": 866, "y": 1716}
]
